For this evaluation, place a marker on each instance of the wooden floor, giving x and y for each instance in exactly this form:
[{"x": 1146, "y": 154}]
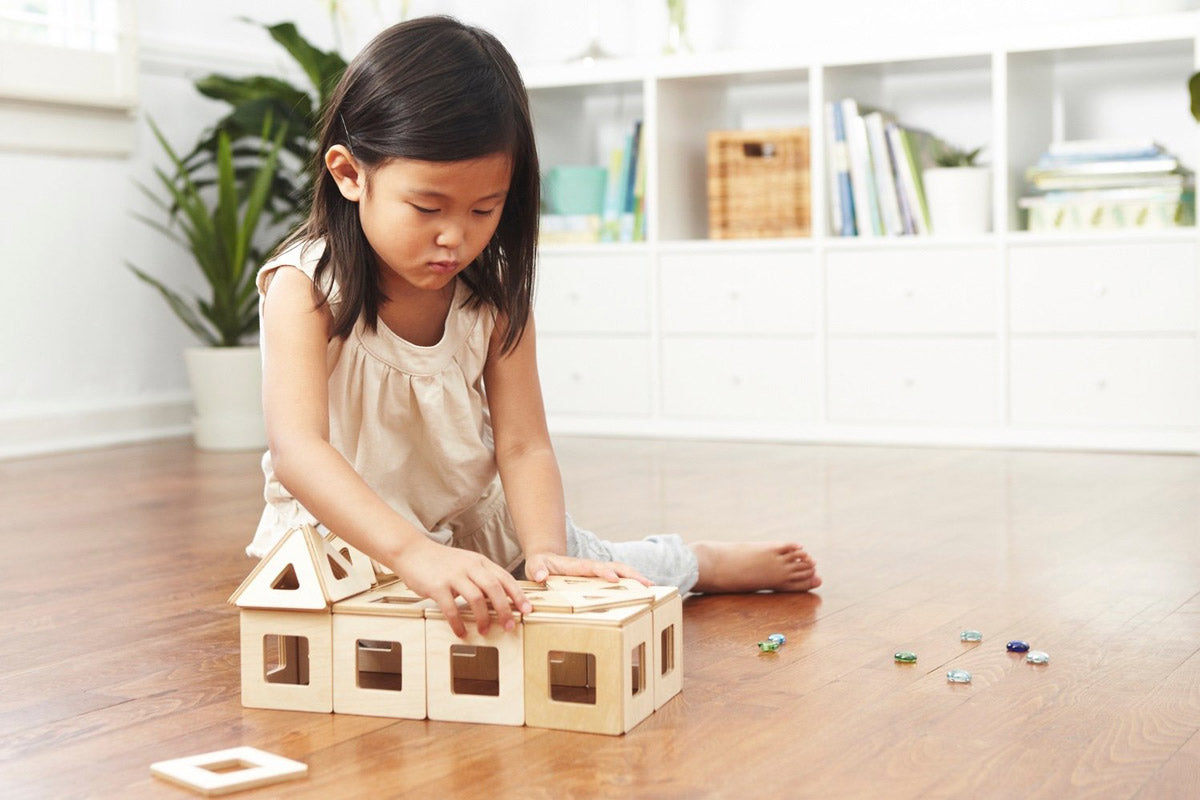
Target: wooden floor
[{"x": 118, "y": 649}]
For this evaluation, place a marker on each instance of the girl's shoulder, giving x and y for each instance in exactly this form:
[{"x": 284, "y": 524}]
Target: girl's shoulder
[{"x": 304, "y": 256}]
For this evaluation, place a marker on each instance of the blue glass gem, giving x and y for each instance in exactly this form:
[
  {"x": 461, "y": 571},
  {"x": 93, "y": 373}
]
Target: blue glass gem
[
  {"x": 1037, "y": 657},
  {"x": 768, "y": 646},
  {"x": 777, "y": 638},
  {"x": 971, "y": 636},
  {"x": 906, "y": 657},
  {"x": 1017, "y": 646},
  {"x": 958, "y": 676}
]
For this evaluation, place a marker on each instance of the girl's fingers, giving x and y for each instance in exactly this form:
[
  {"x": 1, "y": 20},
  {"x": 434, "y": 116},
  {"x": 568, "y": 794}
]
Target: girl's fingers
[
  {"x": 478, "y": 603},
  {"x": 494, "y": 592},
  {"x": 626, "y": 571},
  {"x": 511, "y": 588},
  {"x": 446, "y": 603}
]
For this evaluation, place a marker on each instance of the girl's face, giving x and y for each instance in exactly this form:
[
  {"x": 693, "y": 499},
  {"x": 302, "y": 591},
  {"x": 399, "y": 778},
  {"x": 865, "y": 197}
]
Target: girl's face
[{"x": 426, "y": 220}]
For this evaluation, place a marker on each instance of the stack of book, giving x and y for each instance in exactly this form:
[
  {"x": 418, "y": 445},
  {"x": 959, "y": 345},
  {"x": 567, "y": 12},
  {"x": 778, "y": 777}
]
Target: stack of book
[
  {"x": 623, "y": 215},
  {"x": 875, "y": 168},
  {"x": 1096, "y": 184}
]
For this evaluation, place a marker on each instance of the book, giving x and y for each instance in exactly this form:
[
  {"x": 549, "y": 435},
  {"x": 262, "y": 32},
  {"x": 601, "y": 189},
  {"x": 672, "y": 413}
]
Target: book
[
  {"x": 1094, "y": 149},
  {"x": 639, "y": 191},
  {"x": 569, "y": 229},
  {"x": 896, "y": 154},
  {"x": 610, "y": 227},
  {"x": 1053, "y": 169},
  {"x": 885, "y": 183},
  {"x": 840, "y": 167},
  {"x": 630, "y": 165},
  {"x": 910, "y": 179},
  {"x": 862, "y": 180},
  {"x": 831, "y": 172}
]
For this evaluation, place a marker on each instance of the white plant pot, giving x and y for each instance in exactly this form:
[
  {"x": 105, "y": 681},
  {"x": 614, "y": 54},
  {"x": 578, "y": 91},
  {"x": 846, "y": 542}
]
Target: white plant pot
[
  {"x": 227, "y": 395},
  {"x": 959, "y": 200}
]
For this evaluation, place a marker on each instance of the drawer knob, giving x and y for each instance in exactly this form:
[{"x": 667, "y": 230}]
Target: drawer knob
[
  {"x": 1100, "y": 290},
  {"x": 736, "y": 380},
  {"x": 909, "y": 294},
  {"x": 577, "y": 377},
  {"x": 573, "y": 297},
  {"x": 734, "y": 295},
  {"x": 909, "y": 383},
  {"x": 1102, "y": 384}
]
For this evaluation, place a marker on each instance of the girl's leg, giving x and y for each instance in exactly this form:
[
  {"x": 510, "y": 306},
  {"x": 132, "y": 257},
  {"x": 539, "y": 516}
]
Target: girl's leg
[{"x": 704, "y": 566}]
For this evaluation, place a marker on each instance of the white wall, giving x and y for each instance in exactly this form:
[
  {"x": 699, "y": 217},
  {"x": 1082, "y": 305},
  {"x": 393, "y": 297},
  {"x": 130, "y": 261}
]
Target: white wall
[{"x": 89, "y": 355}]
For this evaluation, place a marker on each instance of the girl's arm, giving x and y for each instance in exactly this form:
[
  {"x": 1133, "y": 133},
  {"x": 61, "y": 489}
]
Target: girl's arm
[
  {"x": 527, "y": 465},
  {"x": 295, "y": 335}
]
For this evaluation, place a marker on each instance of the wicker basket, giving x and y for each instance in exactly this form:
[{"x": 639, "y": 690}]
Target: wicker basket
[{"x": 759, "y": 184}]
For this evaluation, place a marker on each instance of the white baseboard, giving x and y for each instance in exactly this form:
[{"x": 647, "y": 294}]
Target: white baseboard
[{"x": 54, "y": 428}]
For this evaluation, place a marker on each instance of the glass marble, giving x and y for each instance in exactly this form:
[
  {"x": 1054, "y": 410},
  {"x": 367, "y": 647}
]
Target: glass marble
[
  {"x": 971, "y": 636},
  {"x": 1017, "y": 646},
  {"x": 958, "y": 676},
  {"x": 768, "y": 646},
  {"x": 1037, "y": 657},
  {"x": 777, "y": 638},
  {"x": 906, "y": 657}
]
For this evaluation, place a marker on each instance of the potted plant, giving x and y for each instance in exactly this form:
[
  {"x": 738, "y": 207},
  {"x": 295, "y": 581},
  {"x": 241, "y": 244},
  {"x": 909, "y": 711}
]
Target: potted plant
[
  {"x": 958, "y": 194},
  {"x": 225, "y": 373}
]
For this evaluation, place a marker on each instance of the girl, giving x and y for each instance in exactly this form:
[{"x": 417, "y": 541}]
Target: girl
[{"x": 400, "y": 381}]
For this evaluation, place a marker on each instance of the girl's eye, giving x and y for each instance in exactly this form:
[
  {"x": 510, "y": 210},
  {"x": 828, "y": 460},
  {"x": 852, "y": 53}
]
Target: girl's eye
[
  {"x": 424, "y": 210},
  {"x": 487, "y": 213}
]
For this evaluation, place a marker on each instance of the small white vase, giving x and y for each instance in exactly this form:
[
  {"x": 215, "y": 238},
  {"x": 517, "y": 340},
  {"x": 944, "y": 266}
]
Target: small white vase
[
  {"x": 227, "y": 396},
  {"x": 959, "y": 200}
]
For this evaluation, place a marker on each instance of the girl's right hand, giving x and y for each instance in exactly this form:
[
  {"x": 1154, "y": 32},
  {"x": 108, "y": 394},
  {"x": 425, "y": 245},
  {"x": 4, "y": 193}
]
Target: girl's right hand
[{"x": 443, "y": 573}]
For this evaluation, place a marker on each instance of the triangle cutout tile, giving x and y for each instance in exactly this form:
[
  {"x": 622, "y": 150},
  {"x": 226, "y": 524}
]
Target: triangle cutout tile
[{"x": 289, "y": 560}]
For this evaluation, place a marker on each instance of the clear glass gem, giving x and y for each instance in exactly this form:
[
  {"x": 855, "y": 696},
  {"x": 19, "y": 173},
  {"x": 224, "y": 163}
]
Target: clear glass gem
[
  {"x": 971, "y": 636},
  {"x": 958, "y": 676},
  {"x": 777, "y": 638},
  {"x": 1037, "y": 657},
  {"x": 906, "y": 657}
]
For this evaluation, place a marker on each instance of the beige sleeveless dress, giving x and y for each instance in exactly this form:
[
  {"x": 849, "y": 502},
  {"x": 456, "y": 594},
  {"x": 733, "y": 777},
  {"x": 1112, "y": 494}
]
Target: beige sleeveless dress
[{"x": 413, "y": 422}]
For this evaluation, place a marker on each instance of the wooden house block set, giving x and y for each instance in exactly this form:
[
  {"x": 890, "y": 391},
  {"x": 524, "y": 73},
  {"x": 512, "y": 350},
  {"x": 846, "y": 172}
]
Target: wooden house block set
[{"x": 322, "y": 631}]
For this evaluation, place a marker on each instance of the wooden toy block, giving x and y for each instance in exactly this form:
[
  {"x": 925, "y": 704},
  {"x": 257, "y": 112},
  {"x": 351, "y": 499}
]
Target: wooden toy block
[
  {"x": 362, "y": 564},
  {"x": 667, "y": 638},
  {"x": 589, "y": 671},
  {"x": 287, "y": 660},
  {"x": 623, "y": 587},
  {"x": 224, "y": 771},
  {"x": 477, "y": 678},
  {"x": 301, "y": 572},
  {"x": 379, "y": 653}
]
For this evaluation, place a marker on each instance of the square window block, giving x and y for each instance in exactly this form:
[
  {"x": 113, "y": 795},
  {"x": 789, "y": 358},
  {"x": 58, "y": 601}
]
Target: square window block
[
  {"x": 588, "y": 671},
  {"x": 668, "y": 644},
  {"x": 477, "y": 678},
  {"x": 379, "y": 653},
  {"x": 287, "y": 660}
]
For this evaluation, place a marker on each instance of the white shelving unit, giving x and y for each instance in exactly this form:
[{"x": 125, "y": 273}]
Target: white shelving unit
[{"x": 1007, "y": 339}]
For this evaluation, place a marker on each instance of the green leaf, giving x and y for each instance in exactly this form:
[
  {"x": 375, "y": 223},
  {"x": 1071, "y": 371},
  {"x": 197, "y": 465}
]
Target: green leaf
[
  {"x": 1194, "y": 91},
  {"x": 179, "y": 306},
  {"x": 226, "y": 213}
]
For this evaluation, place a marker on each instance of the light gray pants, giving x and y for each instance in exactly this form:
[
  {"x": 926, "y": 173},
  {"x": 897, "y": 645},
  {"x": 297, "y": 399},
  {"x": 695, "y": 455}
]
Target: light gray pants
[{"x": 665, "y": 560}]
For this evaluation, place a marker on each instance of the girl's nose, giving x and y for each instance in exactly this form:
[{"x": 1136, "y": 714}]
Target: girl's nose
[{"x": 450, "y": 237}]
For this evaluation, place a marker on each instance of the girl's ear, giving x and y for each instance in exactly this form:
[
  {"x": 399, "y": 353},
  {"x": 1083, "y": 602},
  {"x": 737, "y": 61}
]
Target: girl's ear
[{"x": 349, "y": 175}]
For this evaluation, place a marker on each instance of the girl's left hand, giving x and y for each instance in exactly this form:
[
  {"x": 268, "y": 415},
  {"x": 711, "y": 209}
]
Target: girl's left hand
[{"x": 540, "y": 566}]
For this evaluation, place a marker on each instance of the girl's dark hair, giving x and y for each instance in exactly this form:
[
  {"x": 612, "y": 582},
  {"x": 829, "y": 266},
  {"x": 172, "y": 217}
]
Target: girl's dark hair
[{"x": 430, "y": 89}]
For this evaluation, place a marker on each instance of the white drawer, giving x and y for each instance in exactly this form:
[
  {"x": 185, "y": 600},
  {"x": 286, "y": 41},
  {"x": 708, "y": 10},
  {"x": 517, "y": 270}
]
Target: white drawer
[
  {"x": 936, "y": 290},
  {"x": 595, "y": 375},
  {"x": 746, "y": 292},
  {"x": 1104, "y": 288},
  {"x": 1104, "y": 381},
  {"x": 593, "y": 293},
  {"x": 914, "y": 380},
  {"x": 744, "y": 379}
]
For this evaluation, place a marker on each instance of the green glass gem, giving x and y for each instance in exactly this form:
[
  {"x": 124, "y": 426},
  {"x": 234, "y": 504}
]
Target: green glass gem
[
  {"x": 768, "y": 646},
  {"x": 906, "y": 657},
  {"x": 971, "y": 636},
  {"x": 958, "y": 676}
]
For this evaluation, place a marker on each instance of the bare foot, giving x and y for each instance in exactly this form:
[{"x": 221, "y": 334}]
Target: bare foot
[{"x": 751, "y": 566}]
